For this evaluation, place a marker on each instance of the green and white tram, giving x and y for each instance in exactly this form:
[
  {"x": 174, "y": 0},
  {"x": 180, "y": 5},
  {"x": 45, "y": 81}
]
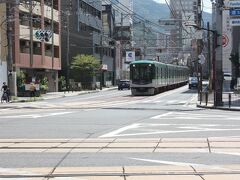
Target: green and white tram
[{"x": 151, "y": 77}]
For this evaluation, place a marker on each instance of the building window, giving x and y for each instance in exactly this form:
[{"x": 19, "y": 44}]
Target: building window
[
  {"x": 24, "y": 46},
  {"x": 37, "y": 48},
  {"x": 48, "y": 50}
]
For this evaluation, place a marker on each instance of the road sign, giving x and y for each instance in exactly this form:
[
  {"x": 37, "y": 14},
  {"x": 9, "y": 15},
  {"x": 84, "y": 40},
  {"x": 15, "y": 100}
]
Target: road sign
[
  {"x": 233, "y": 4},
  {"x": 202, "y": 59},
  {"x": 130, "y": 56},
  {"x": 225, "y": 40},
  {"x": 235, "y": 22},
  {"x": 198, "y": 34},
  {"x": 9, "y": 1},
  {"x": 234, "y": 12}
]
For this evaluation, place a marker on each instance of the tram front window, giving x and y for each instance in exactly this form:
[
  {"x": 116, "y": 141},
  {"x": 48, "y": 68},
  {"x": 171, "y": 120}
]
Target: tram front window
[{"x": 141, "y": 73}]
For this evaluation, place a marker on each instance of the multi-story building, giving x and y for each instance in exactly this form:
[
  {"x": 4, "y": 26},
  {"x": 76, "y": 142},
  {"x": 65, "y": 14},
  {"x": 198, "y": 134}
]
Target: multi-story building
[
  {"x": 83, "y": 33},
  {"x": 109, "y": 44},
  {"x": 3, "y": 43},
  {"x": 38, "y": 59},
  {"x": 123, "y": 33},
  {"x": 184, "y": 11}
]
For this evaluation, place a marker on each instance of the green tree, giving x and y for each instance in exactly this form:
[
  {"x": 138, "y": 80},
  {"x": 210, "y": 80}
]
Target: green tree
[
  {"x": 21, "y": 77},
  {"x": 84, "y": 66}
]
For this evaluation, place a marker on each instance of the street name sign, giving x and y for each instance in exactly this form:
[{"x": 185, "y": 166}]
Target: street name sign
[
  {"x": 234, "y": 12},
  {"x": 7, "y": 1},
  {"x": 233, "y": 4},
  {"x": 235, "y": 22}
]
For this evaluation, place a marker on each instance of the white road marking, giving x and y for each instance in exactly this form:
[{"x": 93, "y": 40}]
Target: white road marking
[
  {"x": 161, "y": 115},
  {"x": 115, "y": 133},
  {"x": 180, "y": 164},
  {"x": 185, "y": 128},
  {"x": 36, "y": 115}
]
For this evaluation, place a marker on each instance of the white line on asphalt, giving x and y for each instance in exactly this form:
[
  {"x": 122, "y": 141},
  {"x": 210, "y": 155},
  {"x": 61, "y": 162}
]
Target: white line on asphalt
[
  {"x": 180, "y": 163},
  {"x": 35, "y": 115},
  {"x": 161, "y": 115},
  {"x": 115, "y": 133},
  {"x": 192, "y": 101},
  {"x": 187, "y": 129}
]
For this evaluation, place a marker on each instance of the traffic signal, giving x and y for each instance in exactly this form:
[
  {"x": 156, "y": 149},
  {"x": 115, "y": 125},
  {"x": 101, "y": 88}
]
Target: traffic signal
[
  {"x": 43, "y": 35},
  {"x": 39, "y": 34},
  {"x": 47, "y": 35}
]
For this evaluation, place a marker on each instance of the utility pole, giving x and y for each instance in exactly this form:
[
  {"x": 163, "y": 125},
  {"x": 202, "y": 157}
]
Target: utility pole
[
  {"x": 218, "y": 65},
  {"x": 10, "y": 15},
  {"x": 101, "y": 61},
  {"x": 52, "y": 27},
  {"x": 209, "y": 51},
  {"x": 144, "y": 40},
  {"x": 31, "y": 31},
  {"x": 199, "y": 51},
  {"x": 68, "y": 44},
  {"x": 121, "y": 58}
]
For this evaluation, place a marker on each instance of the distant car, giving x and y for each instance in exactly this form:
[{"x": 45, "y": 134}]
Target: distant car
[
  {"x": 205, "y": 85},
  {"x": 192, "y": 82},
  {"x": 238, "y": 85},
  {"x": 227, "y": 76},
  {"x": 123, "y": 84}
]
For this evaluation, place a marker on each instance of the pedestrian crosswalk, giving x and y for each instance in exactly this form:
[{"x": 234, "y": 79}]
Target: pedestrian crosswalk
[{"x": 107, "y": 103}]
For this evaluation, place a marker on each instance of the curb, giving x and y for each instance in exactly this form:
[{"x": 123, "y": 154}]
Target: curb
[
  {"x": 218, "y": 108},
  {"x": 64, "y": 95}
]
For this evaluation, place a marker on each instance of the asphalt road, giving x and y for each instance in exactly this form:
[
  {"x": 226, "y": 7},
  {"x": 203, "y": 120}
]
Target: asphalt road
[{"x": 113, "y": 128}]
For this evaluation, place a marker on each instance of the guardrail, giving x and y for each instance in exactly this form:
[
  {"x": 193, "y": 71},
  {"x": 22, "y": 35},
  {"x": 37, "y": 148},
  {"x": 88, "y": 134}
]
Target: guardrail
[{"x": 229, "y": 99}]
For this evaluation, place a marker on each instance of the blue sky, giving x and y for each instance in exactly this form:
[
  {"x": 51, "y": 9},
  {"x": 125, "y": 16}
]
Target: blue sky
[{"x": 207, "y": 5}]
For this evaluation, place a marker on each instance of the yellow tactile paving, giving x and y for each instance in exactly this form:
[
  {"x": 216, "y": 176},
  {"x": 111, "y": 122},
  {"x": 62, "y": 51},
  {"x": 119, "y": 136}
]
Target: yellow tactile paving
[
  {"x": 92, "y": 145},
  {"x": 193, "y": 140},
  {"x": 35, "y": 145},
  {"x": 132, "y": 145},
  {"x": 126, "y": 150},
  {"x": 223, "y": 139},
  {"x": 166, "y": 172},
  {"x": 88, "y": 170},
  {"x": 138, "y": 140},
  {"x": 166, "y": 177},
  {"x": 158, "y": 169},
  {"x": 40, "y": 150},
  {"x": 183, "y": 145},
  {"x": 222, "y": 177},
  {"x": 182, "y": 150},
  {"x": 225, "y": 144},
  {"x": 2, "y": 145},
  {"x": 150, "y": 145}
]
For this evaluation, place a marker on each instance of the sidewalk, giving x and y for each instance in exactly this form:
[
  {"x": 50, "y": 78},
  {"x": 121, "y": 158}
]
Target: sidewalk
[
  {"x": 152, "y": 169},
  {"x": 55, "y": 95},
  {"x": 231, "y": 102}
]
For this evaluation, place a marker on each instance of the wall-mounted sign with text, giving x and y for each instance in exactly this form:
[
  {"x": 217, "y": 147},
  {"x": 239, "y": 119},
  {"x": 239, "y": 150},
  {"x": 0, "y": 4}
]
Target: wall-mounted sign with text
[
  {"x": 130, "y": 56},
  {"x": 235, "y": 22}
]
